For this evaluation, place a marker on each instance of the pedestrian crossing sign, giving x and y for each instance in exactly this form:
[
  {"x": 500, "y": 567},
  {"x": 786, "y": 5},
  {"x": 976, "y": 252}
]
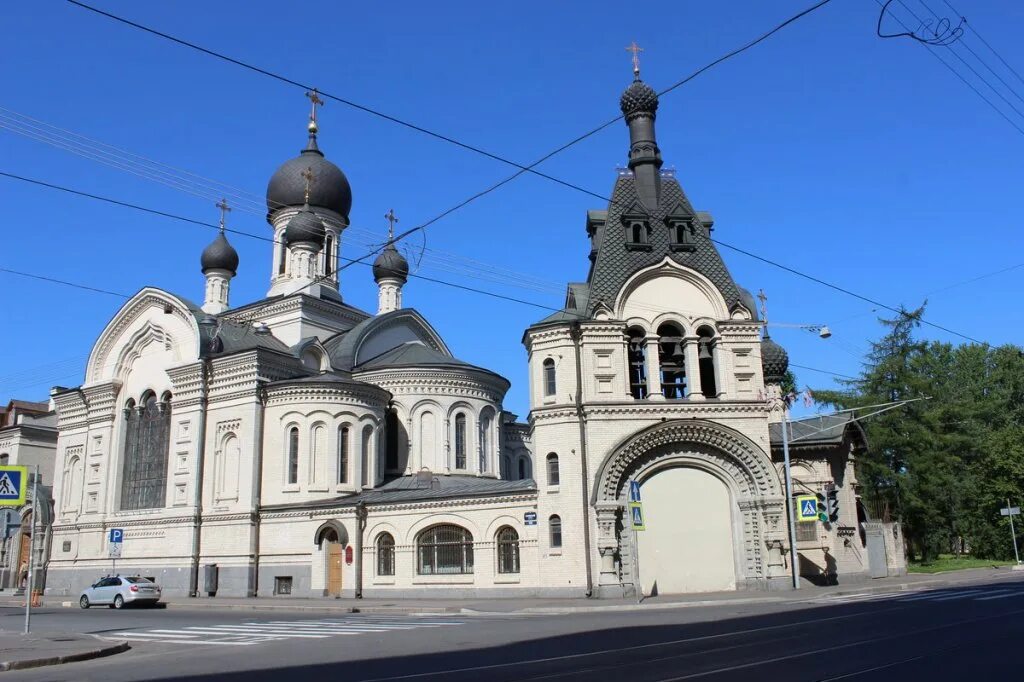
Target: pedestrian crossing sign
[
  {"x": 636, "y": 516},
  {"x": 13, "y": 485},
  {"x": 806, "y": 508}
]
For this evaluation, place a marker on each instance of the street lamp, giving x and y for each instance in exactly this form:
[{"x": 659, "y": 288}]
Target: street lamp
[{"x": 821, "y": 330}]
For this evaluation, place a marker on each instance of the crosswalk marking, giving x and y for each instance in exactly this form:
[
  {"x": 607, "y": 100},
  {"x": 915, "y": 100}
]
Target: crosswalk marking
[
  {"x": 977, "y": 594},
  {"x": 255, "y": 632}
]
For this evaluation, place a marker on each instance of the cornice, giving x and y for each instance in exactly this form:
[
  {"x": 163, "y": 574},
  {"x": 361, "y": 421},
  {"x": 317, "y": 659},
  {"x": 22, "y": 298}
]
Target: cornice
[{"x": 423, "y": 505}]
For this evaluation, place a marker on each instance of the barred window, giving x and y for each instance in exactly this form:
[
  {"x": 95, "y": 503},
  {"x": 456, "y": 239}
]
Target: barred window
[
  {"x": 508, "y": 550},
  {"x": 460, "y": 441},
  {"x": 555, "y": 528},
  {"x": 293, "y": 455},
  {"x": 343, "y": 446},
  {"x": 147, "y": 438},
  {"x": 444, "y": 550},
  {"x": 552, "y": 469},
  {"x": 385, "y": 554}
]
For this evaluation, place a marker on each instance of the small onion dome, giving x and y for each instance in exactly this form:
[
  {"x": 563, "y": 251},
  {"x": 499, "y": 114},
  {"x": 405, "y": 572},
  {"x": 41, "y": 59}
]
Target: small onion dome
[
  {"x": 220, "y": 255},
  {"x": 328, "y": 189},
  {"x": 390, "y": 264},
  {"x": 306, "y": 227},
  {"x": 638, "y": 99},
  {"x": 774, "y": 361}
]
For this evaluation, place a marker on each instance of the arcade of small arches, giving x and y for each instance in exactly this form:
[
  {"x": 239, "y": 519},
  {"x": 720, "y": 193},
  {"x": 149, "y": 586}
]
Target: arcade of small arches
[{"x": 667, "y": 361}]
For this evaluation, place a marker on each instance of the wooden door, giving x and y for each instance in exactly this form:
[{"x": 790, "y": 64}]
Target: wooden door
[
  {"x": 23, "y": 558},
  {"x": 335, "y": 555}
]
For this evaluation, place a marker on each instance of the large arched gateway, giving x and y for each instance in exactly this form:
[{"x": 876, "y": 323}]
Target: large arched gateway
[{"x": 713, "y": 510}]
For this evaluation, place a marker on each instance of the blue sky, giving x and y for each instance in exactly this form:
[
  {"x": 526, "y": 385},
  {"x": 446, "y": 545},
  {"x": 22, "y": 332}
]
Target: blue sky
[{"x": 859, "y": 160}]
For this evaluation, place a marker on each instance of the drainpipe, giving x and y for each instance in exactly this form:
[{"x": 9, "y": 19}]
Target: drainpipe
[
  {"x": 360, "y": 525},
  {"x": 257, "y": 492},
  {"x": 197, "y": 496},
  {"x": 576, "y": 334}
]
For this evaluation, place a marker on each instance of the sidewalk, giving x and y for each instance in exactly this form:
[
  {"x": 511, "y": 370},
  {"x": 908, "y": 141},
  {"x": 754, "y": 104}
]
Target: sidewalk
[
  {"x": 18, "y": 651},
  {"x": 540, "y": 605}
]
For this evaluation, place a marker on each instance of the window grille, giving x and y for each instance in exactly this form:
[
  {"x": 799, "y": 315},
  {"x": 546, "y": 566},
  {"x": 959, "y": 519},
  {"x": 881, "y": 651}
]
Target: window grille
[
  {"x": 144, "y": 482},
  {"x": 555, "y": 528},
  {"x": 385, "y": 554},
  {"x": 444, "y": 550},
  {"x": 637, "y": 363},
  {"x": 673, "y": 361},
  {"x": 282, "y": 584},
  {"x": 508, "y": 550}
]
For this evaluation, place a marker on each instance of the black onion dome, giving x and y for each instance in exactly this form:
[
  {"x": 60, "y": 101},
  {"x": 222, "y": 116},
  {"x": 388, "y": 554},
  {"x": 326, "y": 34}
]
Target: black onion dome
[
  {"x": 390, "y": 263},
  {"x": 305, "y": 226},
  {"x": 220, "y": 255},
  {"x": 639, "y": 98},
  {"x": 774, "y": 361},
  {"x": 329, "y": 188}
]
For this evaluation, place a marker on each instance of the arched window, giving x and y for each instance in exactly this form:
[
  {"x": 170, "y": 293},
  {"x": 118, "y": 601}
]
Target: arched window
[
  {"x": 637, "y": 353},
  {"x": 311, "y": 360},
  {"x": 550, "y": 387},
  {"x": 444, "y": 550},
  {"x": 343, "y": 449},
  {"x": 672, "y": 360},
  {"x": 366, "y": 454},
  {"x": 706, "y": 362},
  {"x": 524, "y": 468},
  {"x": 506, "y": 467},
  {"x": 293, "y": 455},
  {"x": 283, "y": 255},
  {"x": 507, "y": 542},
  {"x": 460, "y": 441},
  {"x": 385, "y": 554},
  {"x": 555, "y": 530},
  {"x": 552, "y": 469},
  {"x": 147, "y": 438},
  {"x": 225, "y": 469},
  {"x": 328, "y": 255}
]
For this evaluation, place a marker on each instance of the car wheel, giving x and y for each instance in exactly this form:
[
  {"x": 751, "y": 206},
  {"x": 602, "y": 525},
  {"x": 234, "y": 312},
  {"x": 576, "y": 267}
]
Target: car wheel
[
  {"x": 118, "y": 602},
  {"x": 84, "y": 602}
]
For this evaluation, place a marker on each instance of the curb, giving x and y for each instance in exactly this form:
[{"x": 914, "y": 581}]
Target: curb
[
  {"x": 25, "y": 664},
  {"x": 302, "y": 608}
]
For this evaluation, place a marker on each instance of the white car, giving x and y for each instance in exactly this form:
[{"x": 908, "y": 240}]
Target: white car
[{"x": 116, "y": 591}]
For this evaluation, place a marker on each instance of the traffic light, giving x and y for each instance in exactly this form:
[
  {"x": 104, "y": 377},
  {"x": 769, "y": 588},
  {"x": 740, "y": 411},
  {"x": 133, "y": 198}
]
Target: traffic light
[
  {"x": 832, "y": 505},
  {"x": 822, "y": 508}
]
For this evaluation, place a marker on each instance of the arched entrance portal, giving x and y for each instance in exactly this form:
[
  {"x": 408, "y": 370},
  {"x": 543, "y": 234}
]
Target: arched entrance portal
[
  {"x": 332, "y": 537},
  {"x": 688, "y": 544},
  {"x": 713, "y": 509}
]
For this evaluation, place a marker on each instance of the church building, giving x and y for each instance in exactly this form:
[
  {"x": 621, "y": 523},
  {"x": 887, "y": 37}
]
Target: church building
[{"x": 299, "y": 445}]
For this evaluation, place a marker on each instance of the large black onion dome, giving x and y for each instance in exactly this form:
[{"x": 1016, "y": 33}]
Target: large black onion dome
[
  {"x": 329, "y": 188},
  {"x": 390, "y": 264},
  {"x": 220, "y": 255},
  {"x": 638, "y": 99},
  {"x": 774, "y": 361},
  {"x": 305, "y": 226}
]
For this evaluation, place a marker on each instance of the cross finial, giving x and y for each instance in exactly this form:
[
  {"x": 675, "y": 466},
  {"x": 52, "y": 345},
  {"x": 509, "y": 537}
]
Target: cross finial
[
  {"x": 308, "y": 175},
  {"x": 392, "y": 219},
  {"x": 763, "y": 297},
  {"x": 224, "y": 210},
  {"x": 636, "y": 50},
  {"x": 315, "y": 101}
]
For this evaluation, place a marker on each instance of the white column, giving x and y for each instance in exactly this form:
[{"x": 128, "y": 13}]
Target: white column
[
  {"x": 653, "y": 368},
  {"x": 693, "y": 385}
]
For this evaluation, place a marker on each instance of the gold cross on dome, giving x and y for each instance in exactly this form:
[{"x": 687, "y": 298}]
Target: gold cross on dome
[
  {"x": 224, "y": 210},
  {"x": 392, "y": 219},
  {"x": 636, "y": 50},
  {"x": 315, "y": 101},
  {"x": 308, "y": 175}
]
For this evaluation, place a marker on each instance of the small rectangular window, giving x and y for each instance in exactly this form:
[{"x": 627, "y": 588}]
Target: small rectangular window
[{"x": 282, "y": 584}]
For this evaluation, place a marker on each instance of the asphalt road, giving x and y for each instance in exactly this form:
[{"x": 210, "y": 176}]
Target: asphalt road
[{"x": 961, "y": 633}]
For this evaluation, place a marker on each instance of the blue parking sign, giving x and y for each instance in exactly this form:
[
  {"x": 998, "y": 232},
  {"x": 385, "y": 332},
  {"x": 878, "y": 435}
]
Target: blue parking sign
[{"x": 116, "y": 535}]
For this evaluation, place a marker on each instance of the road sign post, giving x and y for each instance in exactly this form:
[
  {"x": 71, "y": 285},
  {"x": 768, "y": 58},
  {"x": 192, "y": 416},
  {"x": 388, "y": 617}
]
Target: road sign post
[
  {"x": 1012, "y": 511},
  {"x": 114, "y": 543},
  {"x": 789, "y": 497},
  {"x": 636, "y": 523},
  {"x": 30, "y": 587}
]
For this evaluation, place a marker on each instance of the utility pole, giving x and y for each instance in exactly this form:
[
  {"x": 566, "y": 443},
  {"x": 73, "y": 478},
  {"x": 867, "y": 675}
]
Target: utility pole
[
  {"x": 794, "y": 568},
  {"x": 1013, "y": 533}
]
